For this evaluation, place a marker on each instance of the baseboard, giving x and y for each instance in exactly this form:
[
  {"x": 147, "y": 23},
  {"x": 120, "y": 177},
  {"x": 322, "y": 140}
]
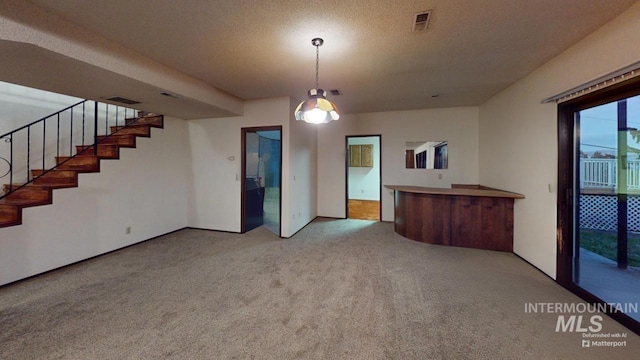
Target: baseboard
[
  {"x": 305, "y": 225},
  {"x": 205, "y": 229},
  {"x": 89, "y": 258}
]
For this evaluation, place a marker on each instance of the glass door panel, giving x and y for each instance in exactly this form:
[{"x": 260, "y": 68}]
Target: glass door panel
[
  {"x": 607, "y": 234},
  {"x": 269, "y": 175},
  {"x": 253, "y": 192}
]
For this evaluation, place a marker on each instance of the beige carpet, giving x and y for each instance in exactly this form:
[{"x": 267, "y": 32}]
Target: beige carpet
[{"x": 339, "y": 289}]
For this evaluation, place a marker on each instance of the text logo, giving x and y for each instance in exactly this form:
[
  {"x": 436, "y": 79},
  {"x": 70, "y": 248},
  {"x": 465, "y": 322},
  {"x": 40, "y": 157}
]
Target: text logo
[{"x": 574, "y": 323}]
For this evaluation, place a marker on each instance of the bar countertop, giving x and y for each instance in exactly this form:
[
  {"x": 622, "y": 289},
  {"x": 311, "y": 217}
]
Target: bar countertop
[{"x": 457, "y": 191}]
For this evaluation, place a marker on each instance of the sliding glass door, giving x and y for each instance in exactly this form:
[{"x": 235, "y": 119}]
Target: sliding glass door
[
  {"x": 607, "y": 236},
  {"x": 599, "y": 209}
]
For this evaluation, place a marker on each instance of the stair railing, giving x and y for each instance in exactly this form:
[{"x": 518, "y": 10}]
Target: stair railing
[{"x": 39, "y": 144}]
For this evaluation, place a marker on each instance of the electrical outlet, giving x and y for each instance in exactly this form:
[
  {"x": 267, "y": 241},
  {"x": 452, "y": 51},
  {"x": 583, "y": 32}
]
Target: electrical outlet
[
  {"x": 439, "y": 176},
  {"x": 127, "y": 230}
]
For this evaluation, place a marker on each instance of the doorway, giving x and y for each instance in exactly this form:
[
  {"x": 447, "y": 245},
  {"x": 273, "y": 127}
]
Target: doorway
[
  {"x": 599, "y": 209},
  {"x": 363, "y": 177},
  {"x": 261, "y": 174}
]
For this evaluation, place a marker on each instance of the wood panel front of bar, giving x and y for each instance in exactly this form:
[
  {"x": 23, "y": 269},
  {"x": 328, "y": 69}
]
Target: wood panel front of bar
[{"x": 465, "y": 216}]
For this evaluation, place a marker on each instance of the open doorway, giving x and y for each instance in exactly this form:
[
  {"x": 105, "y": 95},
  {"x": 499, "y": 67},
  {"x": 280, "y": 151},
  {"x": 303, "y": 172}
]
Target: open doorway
[
  {"x": 261, "y": 174},
  {"x": 364, "y": 171}
]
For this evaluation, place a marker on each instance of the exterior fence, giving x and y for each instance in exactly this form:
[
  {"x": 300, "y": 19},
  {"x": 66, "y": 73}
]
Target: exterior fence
[
  {"x": 603, "y": 173},
  {"x": 599, "y": 210}
]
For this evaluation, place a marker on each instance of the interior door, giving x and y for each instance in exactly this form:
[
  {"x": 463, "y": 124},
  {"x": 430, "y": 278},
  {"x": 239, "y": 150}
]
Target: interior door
[{"x": 261, "y": 173}]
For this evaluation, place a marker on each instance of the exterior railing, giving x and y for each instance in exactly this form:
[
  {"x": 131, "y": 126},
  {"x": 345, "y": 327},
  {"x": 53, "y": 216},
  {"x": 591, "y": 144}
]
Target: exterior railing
[
  {"x": 603, "y": 173},
  {"x": 37, "y": 145}
]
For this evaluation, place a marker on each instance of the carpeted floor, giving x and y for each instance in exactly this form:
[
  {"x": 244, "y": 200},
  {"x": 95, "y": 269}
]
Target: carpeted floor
[{"x": 339, "y": 289}]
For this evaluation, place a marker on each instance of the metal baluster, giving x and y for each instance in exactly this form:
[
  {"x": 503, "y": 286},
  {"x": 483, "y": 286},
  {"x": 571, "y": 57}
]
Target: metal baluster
[
  {"x": 58, "y": 137},
  {"x": 95, "y": 128},
  {"x": 28, "y": 149},
  {"x": 83, "y": 127},
  {"x": 71, "y": 135},
  {"x": 44, "y": 142},
  {"x": 11, "y": 161},
  {"x": 106, "y": 120}
]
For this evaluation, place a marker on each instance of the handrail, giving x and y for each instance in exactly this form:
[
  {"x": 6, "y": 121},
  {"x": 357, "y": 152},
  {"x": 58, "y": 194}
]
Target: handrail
[
  {"x": 42, "y": 119},
  {"x": 32, "y": 145}
]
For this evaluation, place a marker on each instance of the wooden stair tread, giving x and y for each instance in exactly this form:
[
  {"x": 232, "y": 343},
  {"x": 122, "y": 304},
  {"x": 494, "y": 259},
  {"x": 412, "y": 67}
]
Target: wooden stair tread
[
  {"x": 87, "y": 163},
  {"x": 156, "y": 121},
  {"x": 105, "y": 151},
  {"x": 54, "y": 173},
  {"x": 124, "y": 140},
  {"x": 143, "y": 130},
  {"x": 54, "y": 185},
  {"x": 44, "y": 185},
  {"x": 116, "y": 136},
  {"x": 83, "y": 160},
  {"x": 51, "y": 179},
  {"x": 24, "y": 202},
  {"x": 131, "y": 124},
  {"x": 30, "y": 193}
]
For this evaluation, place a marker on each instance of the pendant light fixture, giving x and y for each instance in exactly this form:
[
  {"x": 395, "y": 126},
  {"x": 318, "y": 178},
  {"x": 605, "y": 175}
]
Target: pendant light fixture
[{"x": 317, "y": 109}]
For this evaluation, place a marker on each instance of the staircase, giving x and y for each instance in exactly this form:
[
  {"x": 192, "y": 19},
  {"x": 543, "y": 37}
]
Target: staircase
[{"x": 38, "y": 189}]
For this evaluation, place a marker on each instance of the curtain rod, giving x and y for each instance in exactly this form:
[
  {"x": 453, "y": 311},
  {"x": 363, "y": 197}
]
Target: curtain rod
[{"x": 625, "y": 73}]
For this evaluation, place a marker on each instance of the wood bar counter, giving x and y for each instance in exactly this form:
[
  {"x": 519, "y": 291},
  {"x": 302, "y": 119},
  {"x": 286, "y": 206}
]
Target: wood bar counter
[{"x": 464, "y": 215}]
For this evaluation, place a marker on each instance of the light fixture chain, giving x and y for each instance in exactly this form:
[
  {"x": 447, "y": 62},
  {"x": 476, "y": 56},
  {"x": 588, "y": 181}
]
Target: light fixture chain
[{"x": 317, "y": 63}]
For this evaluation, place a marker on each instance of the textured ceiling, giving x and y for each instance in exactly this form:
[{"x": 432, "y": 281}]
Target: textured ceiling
[{"x": 259, "y": 49}]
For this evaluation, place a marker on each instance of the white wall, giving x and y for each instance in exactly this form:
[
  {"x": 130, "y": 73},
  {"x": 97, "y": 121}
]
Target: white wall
[
  {"x": 331, "y": 165},
  {"x": 302, "y": 173},
  {"x": 364, "y": 182},
  {"x": 90, "y": 220},
  {"x": 22, "y": 105},
  {"x": 458, "y": 126},
  {"x": 518, "y": 134},
  {"x": 215, "y": 201}
]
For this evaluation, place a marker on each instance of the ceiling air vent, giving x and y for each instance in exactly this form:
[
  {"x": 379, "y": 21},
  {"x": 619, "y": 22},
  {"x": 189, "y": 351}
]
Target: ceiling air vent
[
  {"x": 335, "y": 92},
  {"x": 421, "y": 21},
  {"x": 122, "y": 100},
  {"x": 167, "y": 94}
]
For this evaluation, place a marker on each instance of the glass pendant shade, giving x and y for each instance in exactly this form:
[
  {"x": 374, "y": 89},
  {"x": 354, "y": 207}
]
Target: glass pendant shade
[{"x": 317, "y": 109}]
